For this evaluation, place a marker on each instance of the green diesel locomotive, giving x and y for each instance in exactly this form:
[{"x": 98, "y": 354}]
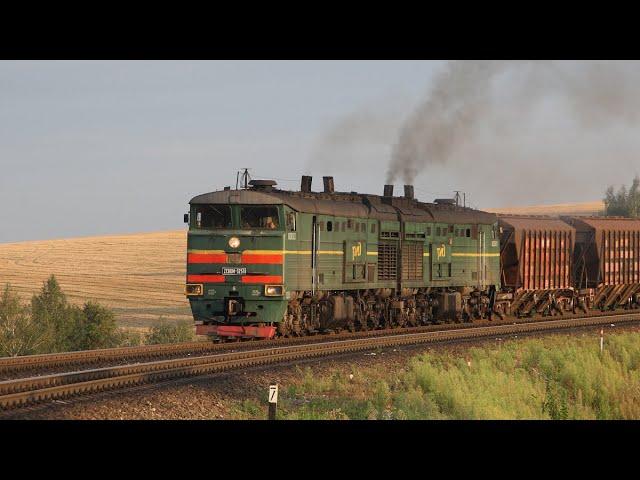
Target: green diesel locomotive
[{"x": 263, "y": 261}]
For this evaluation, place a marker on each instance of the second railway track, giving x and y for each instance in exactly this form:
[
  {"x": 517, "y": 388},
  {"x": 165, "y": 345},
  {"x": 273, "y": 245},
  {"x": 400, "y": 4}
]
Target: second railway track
[
  {"x": 15, "y": 367},
  {"x": 25, "y": 391}
]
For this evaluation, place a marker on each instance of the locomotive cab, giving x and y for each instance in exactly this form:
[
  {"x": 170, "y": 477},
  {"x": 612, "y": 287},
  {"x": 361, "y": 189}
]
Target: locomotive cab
[{"x": 235, "y": 278}]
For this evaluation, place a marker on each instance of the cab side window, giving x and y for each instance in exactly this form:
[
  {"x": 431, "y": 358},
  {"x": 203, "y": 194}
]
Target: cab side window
[{"x": 291, "y": 221}]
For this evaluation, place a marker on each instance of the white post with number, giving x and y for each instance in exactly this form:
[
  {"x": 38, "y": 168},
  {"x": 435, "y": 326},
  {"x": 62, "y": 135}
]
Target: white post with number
[{"x": 273, "y": 401}]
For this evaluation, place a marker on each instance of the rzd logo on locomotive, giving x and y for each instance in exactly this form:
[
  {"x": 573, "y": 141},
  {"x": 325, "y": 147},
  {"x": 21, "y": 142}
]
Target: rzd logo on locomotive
[
  {"x": 356, "y": 250},
  {"x": 441, "y": 251}
]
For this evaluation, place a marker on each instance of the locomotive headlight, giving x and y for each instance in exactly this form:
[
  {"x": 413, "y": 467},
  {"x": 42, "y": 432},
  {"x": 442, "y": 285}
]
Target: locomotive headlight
[
  {"x": 273, "y": 290},
  {"x": 234, "y": 242},
  {"x": 192, "y": 289}
]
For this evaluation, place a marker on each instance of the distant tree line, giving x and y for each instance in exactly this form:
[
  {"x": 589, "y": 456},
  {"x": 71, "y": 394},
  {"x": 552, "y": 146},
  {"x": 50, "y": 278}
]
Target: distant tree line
[
  {"x": 51, "y": 324},
  {"x": 623, "y": 203}
]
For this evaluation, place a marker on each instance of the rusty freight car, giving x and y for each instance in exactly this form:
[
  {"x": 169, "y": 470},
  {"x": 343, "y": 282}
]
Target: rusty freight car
[
  {"x": 607, "y": 256},
  {"x": 536, "y": 254}
]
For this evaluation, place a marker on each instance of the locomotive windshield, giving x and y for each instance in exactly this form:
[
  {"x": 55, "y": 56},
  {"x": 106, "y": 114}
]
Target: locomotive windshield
[
  {"x": 212, "y": 216},
  {"x": 259, "y": 217}
]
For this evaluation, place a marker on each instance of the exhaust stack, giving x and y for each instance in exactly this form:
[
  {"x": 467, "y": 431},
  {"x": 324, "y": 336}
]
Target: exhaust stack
[
  {"x": 305, "y": 184},
  {"x": 328, "y": 184},
  {"x": 388, "y": 190},
  {"x": 408, "y": 191}
]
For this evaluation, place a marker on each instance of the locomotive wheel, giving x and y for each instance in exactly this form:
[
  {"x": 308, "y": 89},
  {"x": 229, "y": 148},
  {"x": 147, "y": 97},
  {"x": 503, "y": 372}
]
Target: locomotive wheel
[
  {"x": 361, "y": 317},
  {"x": 283, "y": 328}
]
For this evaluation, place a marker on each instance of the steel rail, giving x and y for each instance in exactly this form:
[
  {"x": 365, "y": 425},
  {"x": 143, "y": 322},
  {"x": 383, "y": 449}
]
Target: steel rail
[
  {"x": 20, "y": 392},
  {"x": 10, "y": 365}
]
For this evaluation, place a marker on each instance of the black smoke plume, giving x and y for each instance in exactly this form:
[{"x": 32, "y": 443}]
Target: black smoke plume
[{"x": 473, "y": 106}]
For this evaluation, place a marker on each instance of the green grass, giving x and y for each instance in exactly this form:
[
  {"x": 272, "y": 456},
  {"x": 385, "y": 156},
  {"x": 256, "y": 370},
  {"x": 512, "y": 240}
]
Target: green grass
[{"x": 559, "y": 377}]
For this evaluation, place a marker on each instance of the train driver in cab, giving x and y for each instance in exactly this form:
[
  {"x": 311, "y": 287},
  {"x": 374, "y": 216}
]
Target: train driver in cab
[{"x": 269, "y": 223}]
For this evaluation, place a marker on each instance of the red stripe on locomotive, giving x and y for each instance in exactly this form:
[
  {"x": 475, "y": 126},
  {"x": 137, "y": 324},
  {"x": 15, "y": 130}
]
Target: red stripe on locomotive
[
  {"x": 262, "y": 258},
  {"x": 205, "y": 278},
  {"x": 207, "y": 258},
  {"x": 262, "y": 279}
]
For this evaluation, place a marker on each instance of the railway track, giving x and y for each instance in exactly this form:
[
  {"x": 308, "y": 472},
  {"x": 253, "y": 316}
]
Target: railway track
[
  {"x": 26, "y": 391},
  {"x": 10, "y": 367}
]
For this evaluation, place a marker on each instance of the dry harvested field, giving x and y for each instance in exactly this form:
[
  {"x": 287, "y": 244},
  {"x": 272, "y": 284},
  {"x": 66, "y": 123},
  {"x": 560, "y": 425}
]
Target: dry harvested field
[
  {"x": 140, "y": 276},
  {"x": 581, "y": 209}
]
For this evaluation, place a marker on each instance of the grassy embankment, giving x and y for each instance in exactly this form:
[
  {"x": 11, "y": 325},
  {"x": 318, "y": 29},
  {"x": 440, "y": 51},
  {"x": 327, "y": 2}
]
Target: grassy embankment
[{"x": 560, "y": 377}]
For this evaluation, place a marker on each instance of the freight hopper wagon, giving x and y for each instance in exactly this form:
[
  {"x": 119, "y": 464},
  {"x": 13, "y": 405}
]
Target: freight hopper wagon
[
  {"x": 263, "y": 261},
  {"x": 607, "y": 261},
  {"x": 536, "y": 257}
]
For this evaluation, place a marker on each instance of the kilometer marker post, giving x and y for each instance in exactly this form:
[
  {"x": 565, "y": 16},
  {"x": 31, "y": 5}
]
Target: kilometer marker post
[{"x": 273, "y": 400}]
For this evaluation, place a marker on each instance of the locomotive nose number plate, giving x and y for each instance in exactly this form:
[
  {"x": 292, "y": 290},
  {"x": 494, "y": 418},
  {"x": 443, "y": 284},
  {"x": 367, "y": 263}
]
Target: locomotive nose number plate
[{"x": 234, "y": 271}]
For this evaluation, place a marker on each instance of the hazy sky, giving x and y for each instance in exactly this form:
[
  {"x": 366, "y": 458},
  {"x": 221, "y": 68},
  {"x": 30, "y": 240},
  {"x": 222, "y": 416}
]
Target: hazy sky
[{"x": 89, "y": 148}]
